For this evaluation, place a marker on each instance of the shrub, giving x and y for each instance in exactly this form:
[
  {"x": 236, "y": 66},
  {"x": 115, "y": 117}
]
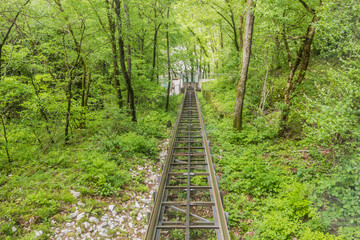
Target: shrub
[{"x": 102, "y": 174}]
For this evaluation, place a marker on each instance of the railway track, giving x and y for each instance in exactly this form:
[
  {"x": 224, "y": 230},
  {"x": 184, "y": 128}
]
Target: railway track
[{"x": 188, "y": 204}]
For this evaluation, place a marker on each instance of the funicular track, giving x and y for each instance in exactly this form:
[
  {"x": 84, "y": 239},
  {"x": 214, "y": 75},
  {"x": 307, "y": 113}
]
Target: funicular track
[{"x": 188, "y": 204}]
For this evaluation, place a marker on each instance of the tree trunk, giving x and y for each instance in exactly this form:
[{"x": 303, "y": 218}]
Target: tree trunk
[
  {"x": 87, "y": 88},
  {"x": 6, "y": 140},
  {"x": 83, "y": 84},
  {"x": 67, "y": 124},
  {"x": 221, "y": 36},
  {"x": 239, "y": 103},
  {"x": 168, "y": 61},
  {"x": 123, "y": 65},
  {"x": 156, "y": 29},
  {"x": 241, "y": 32},
  {"x": 116, "y": 70},
  {"x": 128, "y": 46},
  {"x": 302, "y": 61},
  {"x": 264, "y": 94}
]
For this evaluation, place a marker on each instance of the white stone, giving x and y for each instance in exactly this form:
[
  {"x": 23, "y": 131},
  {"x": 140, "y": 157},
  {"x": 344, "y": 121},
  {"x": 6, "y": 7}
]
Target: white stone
[
  {"x": 53, "y": 221},
  {"x": 139, "y": 217},
  {"x": 111, "y": 226},
  {"x": 65, "y": 231},
  {"x": 130, "y": 224},
  {"x": 68, "y": 225},
  {"x": 75, "y": 194},
  {"x": 105, "y": 218},
  {"x": 14, "y": 229},
  {"x": 93, "y": 219},
  {"x": 81, "y": 204},
  {"x": 137, "y": 205},
  {"x": 86, "y": 225},
  {"x": 80, "y": 216},
  {"x": 103, "y": 233},
  {"x": 111, "y": 207},
  {"x": 74, "y": 214},
  {"x": 38, "y": 233},
  {"x": 78, "y": 229}
]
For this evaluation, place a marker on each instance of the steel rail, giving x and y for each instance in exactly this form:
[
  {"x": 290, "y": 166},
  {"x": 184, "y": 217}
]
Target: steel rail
[{"x": 183, "y": 203}]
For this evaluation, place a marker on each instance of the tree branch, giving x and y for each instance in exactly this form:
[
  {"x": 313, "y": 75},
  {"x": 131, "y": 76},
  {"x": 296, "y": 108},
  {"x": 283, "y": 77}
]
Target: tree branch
[{"x": 309, "y": 9}]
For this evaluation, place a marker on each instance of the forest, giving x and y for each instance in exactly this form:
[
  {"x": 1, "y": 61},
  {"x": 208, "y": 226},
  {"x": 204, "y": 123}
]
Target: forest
[{"x": 87, "y": 112}]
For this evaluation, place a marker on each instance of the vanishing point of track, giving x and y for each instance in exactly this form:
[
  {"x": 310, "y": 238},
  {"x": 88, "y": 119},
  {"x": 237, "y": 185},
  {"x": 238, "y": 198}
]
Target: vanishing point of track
[{"x": 188, "y": 204}]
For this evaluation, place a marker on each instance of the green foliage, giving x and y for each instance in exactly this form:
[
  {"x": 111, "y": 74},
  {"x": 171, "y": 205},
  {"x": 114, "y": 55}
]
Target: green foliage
[
  {"x": 131, "y": 144},
  {"x": 276, "y": 192},
  {"x": 101, "y": 174}
]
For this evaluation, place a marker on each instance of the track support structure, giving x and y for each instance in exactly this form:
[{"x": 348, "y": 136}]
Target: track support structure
[{"x": 188, "y": 204}]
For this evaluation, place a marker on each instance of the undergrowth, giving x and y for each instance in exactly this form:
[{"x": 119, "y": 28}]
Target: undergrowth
[
  {"x": 35, "y": 186},
  {"x": 305, "y": 186}
]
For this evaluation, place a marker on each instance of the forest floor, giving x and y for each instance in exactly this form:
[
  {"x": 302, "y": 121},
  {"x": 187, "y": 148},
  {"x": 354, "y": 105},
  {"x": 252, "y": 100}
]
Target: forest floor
[{"x": 121, "y": 218}]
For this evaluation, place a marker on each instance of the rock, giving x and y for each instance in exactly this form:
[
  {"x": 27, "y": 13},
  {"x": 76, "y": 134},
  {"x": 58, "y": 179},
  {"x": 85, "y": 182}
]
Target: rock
[
  {"x": 80, "y": 216},
  {"x": 105, "y": 218},
  {"x": 103, "y": 233},
  {"x": 81, "y": 204},
  {"x": 53, "y": 221},
  {"x": 78, "y": 229},
  {"x": 130, "y": 224},
  {"x": 38, "y": 233},
  {"x": 74, "y": 214},
  {"x": 13, "y": 229},
  {"x": 93, "y": 219},
  {"x": 86, "y": 225},
  {"x": 111, "y": 225},
  {"x": 137, "y": 205},
  {"x": 75, "y": 194},
  {"x": 68, "y": 225},
  {"x": 139, "y": 217},
  {"x": 65, "y": 231},
  {"x": 102, "y": 225},
  {"x": 111, "y": 207}
]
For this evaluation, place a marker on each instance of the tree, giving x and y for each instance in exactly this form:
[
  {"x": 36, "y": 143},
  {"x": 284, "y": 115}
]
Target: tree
[
  {"x": 299, "y": 65},
  {"x": 241, "y": 87},
  {"x": 125, "y": 71},
  {"x": 168, "y": 60},
  {"x": 8, "y": 31}
]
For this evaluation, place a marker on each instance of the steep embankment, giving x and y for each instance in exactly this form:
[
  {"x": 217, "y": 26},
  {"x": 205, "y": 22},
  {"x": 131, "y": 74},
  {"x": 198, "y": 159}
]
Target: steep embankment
[{"x": 274, "y": 188}]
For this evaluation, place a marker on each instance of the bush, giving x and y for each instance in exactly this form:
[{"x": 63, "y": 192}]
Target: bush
[
  {"x": 131, "y": 144},
  {"x": 102, "y": 174}
]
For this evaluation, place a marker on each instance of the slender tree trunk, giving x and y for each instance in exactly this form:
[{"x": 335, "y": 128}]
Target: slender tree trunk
[
  {"x": 116, "y": 71},
  {"x": 123, "y": 65},
  {"x": 168, "y": 61},
  {"x": 156, "y": 30},
  {"x": 302, "y": 61},
  {"x": 264, "y": 94},
  {"x": 68, "y": 110},
  {"x": 241, "y": 32},
  {"x": 221, "y": 36},
  {"x": 83, "y": 85},
  {"x": 239, "y": 103},
  {"x": 128, "y": 46},
  {"x": 87, "y": 88},
  {"x": 6, "y": 139}
]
